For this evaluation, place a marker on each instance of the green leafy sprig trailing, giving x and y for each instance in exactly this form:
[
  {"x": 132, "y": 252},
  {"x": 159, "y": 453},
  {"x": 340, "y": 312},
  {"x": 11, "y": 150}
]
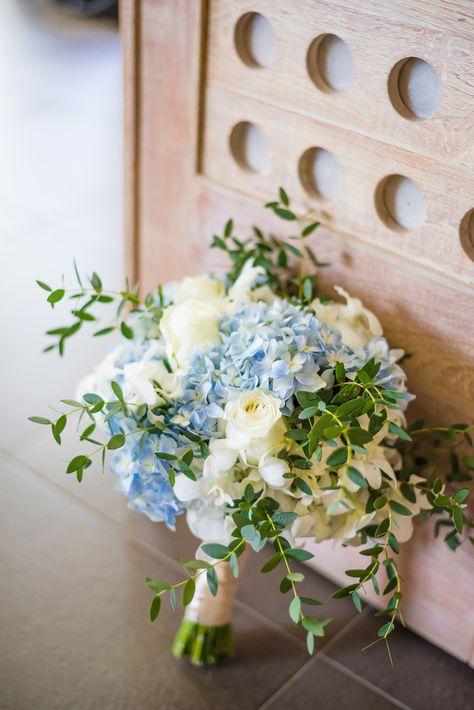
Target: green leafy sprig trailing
[
  {"x": 276, "y": 256},
  {"x": 437, "y": 461}
]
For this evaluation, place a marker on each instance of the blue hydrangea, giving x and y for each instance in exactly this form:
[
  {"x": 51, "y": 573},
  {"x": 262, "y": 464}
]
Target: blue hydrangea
[
  {"x": 281, "y": 348},
  {"x": 143, "y": 478}
]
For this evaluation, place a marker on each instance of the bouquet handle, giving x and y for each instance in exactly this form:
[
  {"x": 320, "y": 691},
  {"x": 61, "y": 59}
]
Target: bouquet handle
[{"x": 205, "y": 633}]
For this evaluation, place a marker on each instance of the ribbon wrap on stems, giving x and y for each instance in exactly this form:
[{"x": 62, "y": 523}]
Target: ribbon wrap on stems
[{"x": 206, "y": 633}]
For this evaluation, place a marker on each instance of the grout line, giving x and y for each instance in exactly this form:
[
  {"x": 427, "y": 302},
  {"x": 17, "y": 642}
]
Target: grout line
[
  {"x": 290, "y": 681},
  {"x": 310, "y": 661},
  {"x": 362, "y": 681}
]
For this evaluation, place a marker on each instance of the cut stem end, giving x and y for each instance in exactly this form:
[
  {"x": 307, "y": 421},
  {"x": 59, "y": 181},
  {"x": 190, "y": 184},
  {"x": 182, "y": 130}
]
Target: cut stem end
[{"x": 203, "y": 645}]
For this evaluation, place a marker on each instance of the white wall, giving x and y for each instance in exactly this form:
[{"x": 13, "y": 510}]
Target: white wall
[{"x": 60, "y": 195}]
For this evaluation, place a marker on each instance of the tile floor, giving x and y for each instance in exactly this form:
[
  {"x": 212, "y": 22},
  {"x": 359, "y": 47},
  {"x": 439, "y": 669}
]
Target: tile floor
[{"x": 73, "y": 606}]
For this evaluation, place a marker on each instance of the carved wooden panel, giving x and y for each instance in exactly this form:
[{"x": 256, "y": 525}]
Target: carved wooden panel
[{"x": 196, "y": 70}]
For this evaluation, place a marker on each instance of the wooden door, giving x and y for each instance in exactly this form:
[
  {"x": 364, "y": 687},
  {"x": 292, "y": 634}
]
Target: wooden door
[{"x": 216, "y": 122}]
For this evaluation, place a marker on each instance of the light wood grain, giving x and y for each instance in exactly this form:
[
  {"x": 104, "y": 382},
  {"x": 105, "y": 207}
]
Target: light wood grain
[
  {"x": 378, "y": 41},
  {"x": 184, "y": 94}
]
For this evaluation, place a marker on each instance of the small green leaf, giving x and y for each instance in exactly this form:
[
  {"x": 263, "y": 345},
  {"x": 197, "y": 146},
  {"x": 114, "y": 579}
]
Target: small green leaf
[
  {"x": 215, "y": 550},
  {"x": 461, "y": 495},
  {"x": 295, "y": 576},
  {"x": 303, "y": 486},
  {"x": 382, "y": 527},
  {"x": 166, "y": 457},
  {"x": 173, "y": 598},
  {"x": 116, "y": 441},
  {"x": 229, "y": 226},
  {"x": 44, "y": 286},
  {"x": 392, "y": 541},
  {"x": 103, "y": 331},
  {"x": 310, "y": 643},
  {"x": 96, "y": 282},
  {"x": 356, "y": 477},
  {"x": 188, "y": 592},
  {"x": 284, "y": 197},
  {"x": 234, "y": 565},
  {"x": 212, "y": 581},
  {"x": 78, "y": 462},
  {"x": 385, "y": 630},
  {"x": 338, "y": 457},
  {"x": 58, "y": 428},
  {"x": 310, "y": 228},
  {"x": 285, "y": 214},
  {"x": 314, "y": 625},
  {"x": 380, "y": 502},
  {"x": 294, "y": 609},
  {"x": 271, "y": 563},
  {"x": 184, "y": 468},
  {"x": 117, "y": 390},
  {"x": 308, "y": 600},
  {"x": 155, "y": 608},
  {"x": 55, "y": 296},
  {"x": 356, "y": 601},
  {"x": 301, "y": 555},
  {"x": 283, "y": 518},
  {"x": 39, "y": 420},
  {"x": 195, "y": 564},
  {"x": 399, "y": 508},
  {"x": 395, "y": 429},
  {"x": 126, "y": 331},
  {"x": 340, "y": 372},
  {"x": 458, "y": 520}
]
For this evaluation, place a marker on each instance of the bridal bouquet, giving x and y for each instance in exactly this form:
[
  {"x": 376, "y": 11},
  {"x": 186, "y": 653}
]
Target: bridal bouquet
[{"x": 268, "y": 415}]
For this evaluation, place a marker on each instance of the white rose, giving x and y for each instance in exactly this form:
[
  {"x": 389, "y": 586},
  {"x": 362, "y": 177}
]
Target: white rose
[
  {"x": 139, "y": 379},
  {"x": 199, "y": 288},
  {"x": 241, "y": 289},
  {"x": 356, "y": 323},
  {"x": 251, "y": 416},
  {"x": 98, "y": 382},
  {"x": 188, "y": 326},
  {"x": 271, "y": 443},
  {"x": 272, "y": 470}
]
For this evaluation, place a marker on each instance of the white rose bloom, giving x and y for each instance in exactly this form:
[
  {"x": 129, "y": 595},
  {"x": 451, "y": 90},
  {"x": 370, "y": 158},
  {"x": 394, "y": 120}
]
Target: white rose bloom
[
  {"x": 98, "y": 382},
  {"x": 272, "y": 442},
  {"x": 139, "y": 379},
  {"x": 188, "y": 326},
  {"x": 209, "y": 524},
  {"x": 272, "y": 469},
  {"x": 241, "y": 289},
  {"x": 356, "y": 323},
  {"x": 199, "y": 288},
  {"x": 251, "y": 416}
]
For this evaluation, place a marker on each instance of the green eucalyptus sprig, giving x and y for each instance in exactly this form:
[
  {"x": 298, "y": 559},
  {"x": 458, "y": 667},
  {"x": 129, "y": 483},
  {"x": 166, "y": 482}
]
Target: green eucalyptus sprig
[
  {"x": 258, "y": 521},
  {"x": 274, "y": 255},
  {"x": 83, "y": 308}
]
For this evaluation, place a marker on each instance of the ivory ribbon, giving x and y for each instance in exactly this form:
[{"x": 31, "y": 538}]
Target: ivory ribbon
[{"x": 215, "y": 611}]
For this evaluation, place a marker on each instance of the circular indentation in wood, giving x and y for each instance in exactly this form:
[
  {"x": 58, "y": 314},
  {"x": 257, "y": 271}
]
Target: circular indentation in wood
[
  {"x": 400, "y": 203},
  {"x": 330, "y": 63},
  {"x": 255, "y": 40},
  {"x": 321, "y": 174},
  {"x": 466, "y": 233},
  {"x": 415, "y": 89},
  {"x": 249, "y": 147}
]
